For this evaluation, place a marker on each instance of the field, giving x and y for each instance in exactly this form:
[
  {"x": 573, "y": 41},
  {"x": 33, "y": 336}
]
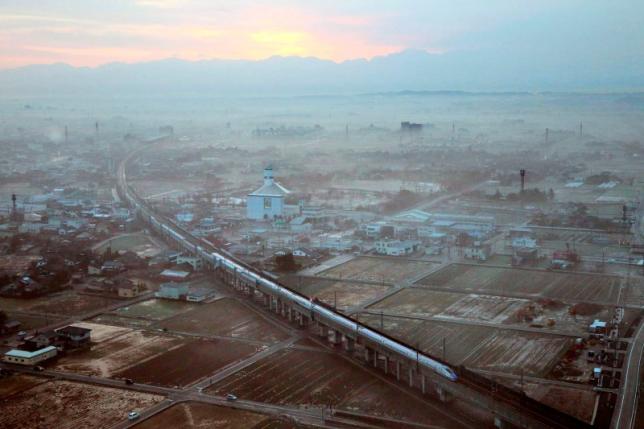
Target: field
[
  {"x": 341, "y": 293},
  {"x": 138, "y": 243},
  {"x": 155, "y": 309},
  {"x": 188, "y": 363},
  {"x": 118, "y": 349},
  {"x": 512, "y": 352},
  {"x": 426, "y": 303},
  {"x": 66, "y": 405},
  {"x": 481, "y": 347},
  {"x": 198, "y": 415},
  {"x": 494, "y": 309},
  {"x": 379, "y": 270},
  {"x": 67, "y": 303},
  {"x": 225, "y": 317},
  {"x": 573, "y": 287},
  {"x": 320, "y": 379},
  {"x": 33, "y": 321},
  {"x": 460, "y": 340},
  {"x": 113, "y": 319},
  {"x": 576, "y": 402}
]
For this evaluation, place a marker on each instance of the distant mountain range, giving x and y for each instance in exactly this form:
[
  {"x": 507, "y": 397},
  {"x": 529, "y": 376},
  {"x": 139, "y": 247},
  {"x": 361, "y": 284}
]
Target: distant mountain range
[{"x": 408, "y": 70}]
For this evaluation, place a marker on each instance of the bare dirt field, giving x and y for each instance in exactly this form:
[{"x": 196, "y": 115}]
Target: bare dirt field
[
  {"x": 460, "y": 340},
  {"x": 189, "y": 362},
  {"x": 378, "y": 269},
  {"x": 193, "y": 415},
  {"x": 33, "y": 321},
  {"x": 155, "y": 309},
  {"x": 138, "y": 243},
  {"x": 314, "y": 379},
  {"x": 550, "y": 284},
  {"x": 68, "y": 303},
  {"x": 576, "y": 402},
  {"x": 66, "y": 405},
  {"x": 512, "y": 352},
  {"x": 225, "y": 317},
  {"x": 117, "y": 353},
  {"x": 494, "y": 309},
  {"x": 17, "y": 383},
  {"x": 113, "y": 319},
  {"x": 341, "y": 293}
]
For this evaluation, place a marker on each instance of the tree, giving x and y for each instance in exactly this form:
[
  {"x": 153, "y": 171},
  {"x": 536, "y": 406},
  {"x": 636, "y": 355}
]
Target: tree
[{"x": 286, "y": 262}]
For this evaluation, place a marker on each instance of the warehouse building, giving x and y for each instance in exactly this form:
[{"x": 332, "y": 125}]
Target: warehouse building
[{"x": 23, "y": 357}]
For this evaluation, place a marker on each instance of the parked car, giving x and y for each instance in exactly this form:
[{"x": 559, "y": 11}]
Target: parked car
[
  {"x": 231, "y": 397},
  {"x": 133, "y": 415},
  {"x": 129, "y": 381},
  {"x": 38, "y": 368}
]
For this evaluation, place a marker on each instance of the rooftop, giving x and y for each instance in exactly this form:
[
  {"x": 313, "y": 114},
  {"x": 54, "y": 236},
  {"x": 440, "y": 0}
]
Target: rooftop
[{"x": 28, "y": 355}]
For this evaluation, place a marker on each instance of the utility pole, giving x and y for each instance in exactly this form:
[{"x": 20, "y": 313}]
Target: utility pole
[{"x": 444, "y": 350}]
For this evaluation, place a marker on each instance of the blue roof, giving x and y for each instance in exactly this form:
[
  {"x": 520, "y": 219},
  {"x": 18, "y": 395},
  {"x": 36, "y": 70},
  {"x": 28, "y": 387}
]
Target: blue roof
[{"x": 28, "y": 355}]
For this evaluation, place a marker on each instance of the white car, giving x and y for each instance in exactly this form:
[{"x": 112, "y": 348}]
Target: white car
[
  {"x": 231, "y": 397},
  {"x": 133, "y": 415}
]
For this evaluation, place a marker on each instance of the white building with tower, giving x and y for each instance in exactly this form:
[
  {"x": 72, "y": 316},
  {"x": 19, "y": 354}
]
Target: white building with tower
[{"x": 266, "y": 202}]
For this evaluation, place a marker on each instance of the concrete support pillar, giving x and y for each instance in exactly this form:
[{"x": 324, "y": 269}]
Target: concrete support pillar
[
  {"x": 398, "y": 370},
  {"x": 423, "y": 383},
  {"x": 443, "y": 396},
  {"x": 411, "y": 377},
  {"x": 303, "y": 321},
  {"x": 322, "y": 330},
  {"x": 367, "y": 354},
  {"x": 375, "y": 358},
  {"x": 350, "y": 344},
  {"x": 386, "y": 364},
  {"x": 336, "y": 337},
  {"x": 289, "y": 313}
]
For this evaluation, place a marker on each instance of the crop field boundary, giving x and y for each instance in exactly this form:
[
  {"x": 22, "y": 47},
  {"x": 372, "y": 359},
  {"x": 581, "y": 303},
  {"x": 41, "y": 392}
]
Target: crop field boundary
[{"x": 539, "y": 270}]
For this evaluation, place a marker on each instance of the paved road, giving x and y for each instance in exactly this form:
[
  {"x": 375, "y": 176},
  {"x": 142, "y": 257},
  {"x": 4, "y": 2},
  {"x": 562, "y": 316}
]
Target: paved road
[{"x": 627, "y": 404}]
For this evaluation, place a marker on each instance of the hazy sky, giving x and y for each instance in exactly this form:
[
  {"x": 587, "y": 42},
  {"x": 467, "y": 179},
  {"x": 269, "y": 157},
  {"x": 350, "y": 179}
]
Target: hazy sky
[{"x": 93, "y": 32}]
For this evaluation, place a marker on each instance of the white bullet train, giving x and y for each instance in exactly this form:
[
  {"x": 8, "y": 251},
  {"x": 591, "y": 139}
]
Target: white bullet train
[{"x": 224, "y": 260}]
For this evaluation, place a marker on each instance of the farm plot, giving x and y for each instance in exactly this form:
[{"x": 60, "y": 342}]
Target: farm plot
[
  {"x": 189, "y": 362},
  {"x": 511, "y": 353},
  {"x": 33, "y": 321},
  {"x": 67, "y": 405},
  {"x": 579, "y": 403},
  {"x": 199, "y": 415},
  {"x": 155, "y": 309},
  {"x": 115, "y": 320},
  {"x": 140, "y": 244},
  {"x": 68, "y": 303},
  {"x": 308, "y": 378},
  {"x": 18, "y": 383},
  {"x": 381, "y": 270},
  {"x": 341, "y": 293},
  {"x": 495, "y": 309},
  {"x": 225, "y": 317},
  {"x": 117, "y": 353},
  {"x": 417, "y": 302},
  {"x": 537, "y": 283},
  {"x": 460, "y": 340}
]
